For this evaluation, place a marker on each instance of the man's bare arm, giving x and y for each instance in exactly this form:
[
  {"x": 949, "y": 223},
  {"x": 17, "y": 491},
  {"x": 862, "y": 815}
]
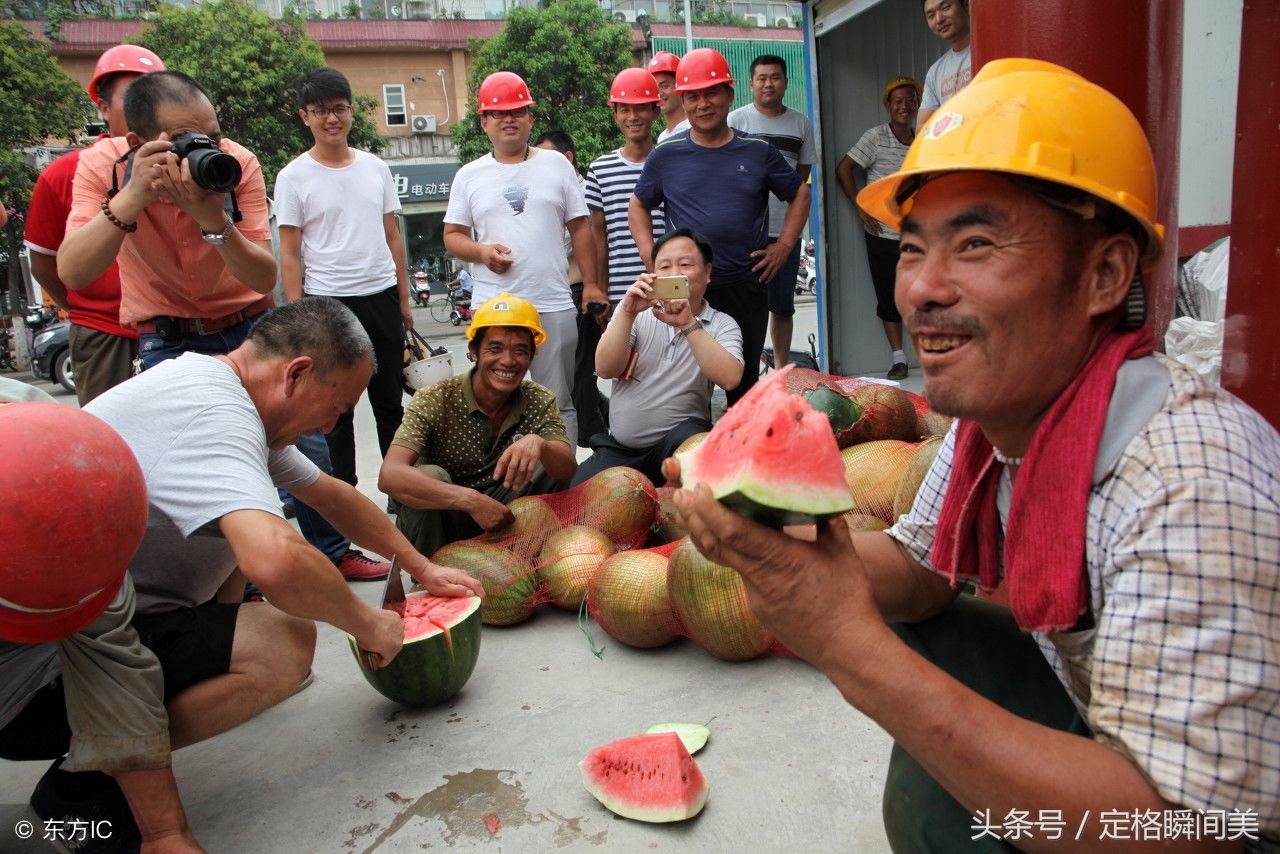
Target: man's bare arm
[{"x": 291, "y": 262}]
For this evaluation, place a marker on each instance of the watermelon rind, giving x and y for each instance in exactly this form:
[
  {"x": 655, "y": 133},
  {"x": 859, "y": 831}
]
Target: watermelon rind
[
  {"x": 431, "y": 668},
  {"x": 694, "y": 736},
  {"x": 772, "y": 458},
  {"x": 647, "y": 777}
]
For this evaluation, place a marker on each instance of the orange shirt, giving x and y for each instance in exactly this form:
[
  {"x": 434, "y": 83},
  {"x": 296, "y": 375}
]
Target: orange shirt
[{"x": 165, "y": 267}]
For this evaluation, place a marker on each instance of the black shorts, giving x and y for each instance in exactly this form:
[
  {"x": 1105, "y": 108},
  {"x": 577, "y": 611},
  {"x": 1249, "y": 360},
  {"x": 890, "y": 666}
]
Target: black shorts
[
  {"x": 192, "y": 644},
  {"x": 882, "y": 258}
]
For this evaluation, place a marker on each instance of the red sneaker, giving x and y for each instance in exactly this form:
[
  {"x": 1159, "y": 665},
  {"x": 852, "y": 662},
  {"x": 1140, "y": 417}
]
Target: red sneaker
[{"x": 357, "y": 566}]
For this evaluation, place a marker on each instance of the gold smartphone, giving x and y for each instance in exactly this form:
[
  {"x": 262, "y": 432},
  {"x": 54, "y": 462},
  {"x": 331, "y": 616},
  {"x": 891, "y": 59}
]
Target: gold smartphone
[{"x": 670, "y": 287}]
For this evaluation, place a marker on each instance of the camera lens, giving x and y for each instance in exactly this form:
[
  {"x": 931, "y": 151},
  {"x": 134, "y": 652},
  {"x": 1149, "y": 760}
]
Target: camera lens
[{"x": 214, "y": 170}]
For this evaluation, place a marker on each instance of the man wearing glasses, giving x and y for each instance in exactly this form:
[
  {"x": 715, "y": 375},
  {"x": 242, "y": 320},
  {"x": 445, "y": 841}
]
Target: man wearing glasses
[{"x": 506, "y": 209}]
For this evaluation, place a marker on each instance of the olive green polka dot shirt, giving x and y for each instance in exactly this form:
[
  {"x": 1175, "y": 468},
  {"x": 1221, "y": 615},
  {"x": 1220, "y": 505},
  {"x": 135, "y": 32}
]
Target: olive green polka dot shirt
[{"x": 445, "y": 426}]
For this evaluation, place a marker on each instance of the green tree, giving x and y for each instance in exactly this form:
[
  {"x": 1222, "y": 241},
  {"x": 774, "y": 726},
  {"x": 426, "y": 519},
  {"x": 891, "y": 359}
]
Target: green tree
[
  {"x": 38, "y": 103},
  {"x": 250, "y": 65},
  {"x": 568, "y": 53}
]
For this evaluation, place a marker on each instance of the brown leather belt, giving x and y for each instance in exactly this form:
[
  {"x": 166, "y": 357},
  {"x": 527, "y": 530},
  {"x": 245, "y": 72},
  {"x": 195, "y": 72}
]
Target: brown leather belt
[{"x": 174, "y": 327}]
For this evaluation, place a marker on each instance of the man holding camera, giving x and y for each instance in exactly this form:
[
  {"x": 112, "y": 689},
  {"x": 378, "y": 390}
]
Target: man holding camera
[
  {"x": 664, "y": 356},
  {"x": 184, "y": 213}
]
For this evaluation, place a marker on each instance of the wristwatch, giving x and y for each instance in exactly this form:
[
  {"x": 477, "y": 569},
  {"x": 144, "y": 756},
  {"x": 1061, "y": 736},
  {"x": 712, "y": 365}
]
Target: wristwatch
[{"x": 217, "y": 238}]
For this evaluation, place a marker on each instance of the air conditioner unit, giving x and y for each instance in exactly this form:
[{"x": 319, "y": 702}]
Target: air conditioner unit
[
  {"x": 758, "y": 18},
  {"x": 423, "y": 124},
  {"x": 628, "y": 15},
  {"x": 785, "y": 24}
]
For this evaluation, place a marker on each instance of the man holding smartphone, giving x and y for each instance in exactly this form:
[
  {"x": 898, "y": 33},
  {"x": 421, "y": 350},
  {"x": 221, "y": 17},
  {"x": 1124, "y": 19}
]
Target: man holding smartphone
[{"x": 665, "y": 356}]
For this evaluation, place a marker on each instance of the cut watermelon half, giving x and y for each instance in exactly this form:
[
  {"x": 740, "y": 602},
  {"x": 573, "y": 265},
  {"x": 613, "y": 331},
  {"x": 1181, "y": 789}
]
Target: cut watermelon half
[
  {"x": 772, "y": 457},
  {"x": 441, "y": 645},
  {"x": 647, "y": 778}
]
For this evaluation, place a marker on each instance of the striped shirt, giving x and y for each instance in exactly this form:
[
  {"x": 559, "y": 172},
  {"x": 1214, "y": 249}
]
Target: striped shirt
[
  {"x": 611, "y": 179},
  {"x": 1181, "y": 670},
  {"x": 880, "y": 153}
]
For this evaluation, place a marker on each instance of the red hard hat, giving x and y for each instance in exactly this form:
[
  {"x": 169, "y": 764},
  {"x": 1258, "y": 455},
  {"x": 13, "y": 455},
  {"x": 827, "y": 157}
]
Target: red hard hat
[
  {"x": 76, "y": 512},
  {"x": 663, "y": 62},
  {"x": 503, "y": 90},
  {"x": 702, "y": 69},
  {"x": 633, "y": 86},
  {"x": 123, "y": 57}
]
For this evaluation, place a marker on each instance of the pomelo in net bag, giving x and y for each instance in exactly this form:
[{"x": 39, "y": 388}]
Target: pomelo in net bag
[
  {"x": 535, "y": 521},
  {"x": 441, "y": 645},
  {"x": 510, "y": 586},
  {"x": 710, "y": 601},
  {"x": 568, "y": 560},
  {"x": 646, "y": 777},
  {"x": 772, "y": 457},
  {"x": 628, "y": 598},
  {"x": 620, "y": 502}
]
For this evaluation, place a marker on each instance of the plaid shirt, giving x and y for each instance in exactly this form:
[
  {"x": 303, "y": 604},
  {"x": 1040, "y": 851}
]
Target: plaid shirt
[{"x": 1182, "y": 669}]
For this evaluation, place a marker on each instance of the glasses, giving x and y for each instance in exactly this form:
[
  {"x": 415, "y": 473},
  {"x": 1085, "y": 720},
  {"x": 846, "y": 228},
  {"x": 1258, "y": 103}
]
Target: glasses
[
  {"x": 518, "y": 113},
  {"x": 341, "y": 111}
]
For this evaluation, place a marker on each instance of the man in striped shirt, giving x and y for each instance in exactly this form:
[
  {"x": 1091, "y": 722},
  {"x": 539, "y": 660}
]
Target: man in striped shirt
[{"x": 611, "y": 179}]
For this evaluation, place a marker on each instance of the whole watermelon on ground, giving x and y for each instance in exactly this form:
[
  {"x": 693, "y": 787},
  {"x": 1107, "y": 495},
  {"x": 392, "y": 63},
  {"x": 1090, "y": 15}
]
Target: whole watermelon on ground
[
  {"x": 620, "y": 502},
  {"x": 873, "y": 471},
  {"x": 710, "y": 601},
  {"x": 525, "y": 536},
  {"x": 567, "y": 562},
  {"x": 771, "y": 457},
  {"x": 628, "y": 598},
  {"x": 441, "y": 645},
  {"x": 510, "y": 586},
  {"x": 926, "y": 453},
  {"x": 841, "y": 411},
  {"x": 648, "y": 777},
  {"x": 887, "y": 413}
]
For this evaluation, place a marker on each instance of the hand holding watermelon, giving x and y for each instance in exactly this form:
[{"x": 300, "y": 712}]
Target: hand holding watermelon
[
  {"x": 443, "y": 580},
  {"x": 805, "y": 593},
  {"x": 381, "y": 636}
]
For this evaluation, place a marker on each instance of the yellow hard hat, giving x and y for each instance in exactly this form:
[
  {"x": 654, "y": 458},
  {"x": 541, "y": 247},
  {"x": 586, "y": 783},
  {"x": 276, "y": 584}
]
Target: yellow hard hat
[
  {"x": 507, "y": 309},
  {"x": 898, "y": 83},
  {"x": 1032, "y": 118}
]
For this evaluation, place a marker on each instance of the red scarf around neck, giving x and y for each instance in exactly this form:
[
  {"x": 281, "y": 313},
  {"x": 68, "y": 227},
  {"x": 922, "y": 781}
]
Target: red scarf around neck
[{"x": 1044, "y": 541}]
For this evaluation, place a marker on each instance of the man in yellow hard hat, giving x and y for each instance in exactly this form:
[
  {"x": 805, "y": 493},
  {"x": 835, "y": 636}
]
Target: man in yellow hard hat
[
  {"x": 470, "y": 445},
  {"x": 1131, "y": 690}
]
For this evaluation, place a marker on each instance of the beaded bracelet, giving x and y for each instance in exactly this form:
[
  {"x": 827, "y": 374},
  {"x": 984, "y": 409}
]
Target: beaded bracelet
[{"x": 114, "y": 220}]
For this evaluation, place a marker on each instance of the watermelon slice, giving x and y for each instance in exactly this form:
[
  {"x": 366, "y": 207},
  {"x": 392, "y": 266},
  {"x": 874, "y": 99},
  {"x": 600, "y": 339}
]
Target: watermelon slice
[
  {"x": 772, "y": 457},
  {"x": 441, "y": 645},
  {"x": 694, "y": 736},
  {"x": 646, "y": 777}
]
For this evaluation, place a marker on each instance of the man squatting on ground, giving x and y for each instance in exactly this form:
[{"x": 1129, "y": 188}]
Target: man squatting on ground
[
  {"x": 234, "y": 418},
  {"x": 1131, "y": 511},
  {"x": 664, "y": 359},
  {"x": 102, "y": 351},
  {"x": 472, "y": 444},
  {"x": 505, "y": 210}
]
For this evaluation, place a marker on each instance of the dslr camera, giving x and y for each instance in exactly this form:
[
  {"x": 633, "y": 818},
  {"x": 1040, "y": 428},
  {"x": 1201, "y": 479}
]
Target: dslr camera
[{"x": 211, "y": 167}]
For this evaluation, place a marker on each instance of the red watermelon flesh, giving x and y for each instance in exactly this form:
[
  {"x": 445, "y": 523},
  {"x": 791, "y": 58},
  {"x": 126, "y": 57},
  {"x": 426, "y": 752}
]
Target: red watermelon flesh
[
  {"x": 771, "y": 457},
  {"x": 424, "y": 613},
  {"x": 648, "y": 777}
]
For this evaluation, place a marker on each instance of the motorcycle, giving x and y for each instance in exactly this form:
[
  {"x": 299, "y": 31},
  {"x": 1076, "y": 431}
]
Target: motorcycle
[
  {"x": 421, "y": 287},
  {"x": 806, "y": 276}
]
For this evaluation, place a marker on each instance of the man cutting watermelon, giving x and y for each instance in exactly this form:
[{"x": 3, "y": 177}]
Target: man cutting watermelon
[{"x": 1130, "y": 512}]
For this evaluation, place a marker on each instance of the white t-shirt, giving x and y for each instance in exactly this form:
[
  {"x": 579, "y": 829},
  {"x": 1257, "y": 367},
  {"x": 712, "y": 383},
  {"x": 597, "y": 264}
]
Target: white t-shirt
[
  {"x": 681, "y": 127},
  {"x": 203, "y": 451},
  {"x": 790, "y": 133},
  {"x": 951, "y": 73},
  {"x": 667, "y": 384},
  {"x": 340, "y": 212},
  {"x": 524, "y": 206}
]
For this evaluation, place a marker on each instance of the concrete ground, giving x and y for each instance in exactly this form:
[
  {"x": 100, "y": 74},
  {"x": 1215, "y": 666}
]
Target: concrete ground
[{"x": 337, "y": 768}]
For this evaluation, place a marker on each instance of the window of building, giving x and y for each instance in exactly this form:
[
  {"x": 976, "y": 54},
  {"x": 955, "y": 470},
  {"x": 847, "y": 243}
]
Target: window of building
[{"x": 393, "y": 105}]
